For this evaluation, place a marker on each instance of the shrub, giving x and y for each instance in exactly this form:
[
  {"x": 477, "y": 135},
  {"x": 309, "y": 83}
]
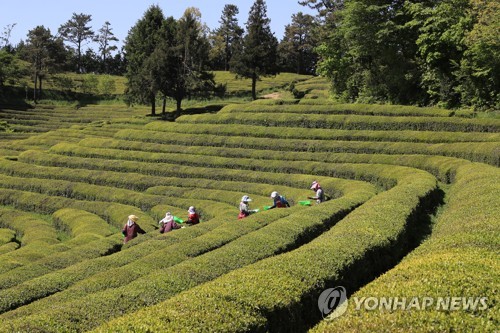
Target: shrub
[{"x": 456, "y": 261}]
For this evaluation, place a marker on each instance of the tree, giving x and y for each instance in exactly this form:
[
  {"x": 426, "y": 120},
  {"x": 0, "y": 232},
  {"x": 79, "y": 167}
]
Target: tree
[
  {"x": 6, "y": 35},
  {"x": 107, "y": 86},
  {"x": 41, "y": 45},
  {"x": 442, "y": 26},
  {"x": 91, "y": 61},
  {"x": 117, "y": 65},
  {"x": 370, "y": 53},
  {"x": 226, "y": 37},
  {"x": 327, "y": 13},
  {"x": 180, "y": 61},
  {"x": 10, "y": 68},
  {"x": 324, "y": 7},
  {"x": 140, "y": 44},
  {"x": 296, "y": 49},
  {"x": 90, "y": 84},
  {"x": 257, "y": 54},
  {"x": 479, "y": 73},
  {"x": 76, "y": 31},
  {"x": 104, "y": 39}
]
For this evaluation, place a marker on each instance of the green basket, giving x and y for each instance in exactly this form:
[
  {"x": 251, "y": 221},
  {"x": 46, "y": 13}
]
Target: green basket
[
  {"x": 267, "y": 207},
  {"x": 178, "y": 219},
  {"x": 305, "y": 203}
]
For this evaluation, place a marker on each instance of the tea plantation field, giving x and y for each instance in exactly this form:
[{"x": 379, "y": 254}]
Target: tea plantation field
[{"x": 413, "y": 213}]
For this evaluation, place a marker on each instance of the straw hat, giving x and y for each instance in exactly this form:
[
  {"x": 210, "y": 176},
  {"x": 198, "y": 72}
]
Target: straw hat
[{"x": 133, "y": 218}]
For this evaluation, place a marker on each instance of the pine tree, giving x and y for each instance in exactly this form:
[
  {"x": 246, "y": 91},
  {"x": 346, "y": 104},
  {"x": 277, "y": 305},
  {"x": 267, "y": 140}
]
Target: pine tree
[
  {"x": 296, "y": 49},
  {"x": 257, "y": 55},
  {"x": 139, "y": 45},
  {"x": 104, "y": 39},
  {"x": 77, "y": 31},
  {"x": 225, "y": 38},
  {"x": 179, "y": 61}
]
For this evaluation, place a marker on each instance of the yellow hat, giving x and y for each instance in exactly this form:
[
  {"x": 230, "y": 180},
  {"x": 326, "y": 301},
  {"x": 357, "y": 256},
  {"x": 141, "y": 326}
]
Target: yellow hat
[{"x": 133, "y": 218}]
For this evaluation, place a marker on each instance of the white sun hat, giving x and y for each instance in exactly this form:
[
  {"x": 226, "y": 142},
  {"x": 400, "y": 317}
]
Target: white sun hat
[
  {"x": 168, "y": 218},
  {"x": 274, "y": 194},
  {"x": 246, "y": 198}
]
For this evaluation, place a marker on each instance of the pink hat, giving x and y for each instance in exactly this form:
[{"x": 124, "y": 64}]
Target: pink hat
[{"x": 315, "y": 185}]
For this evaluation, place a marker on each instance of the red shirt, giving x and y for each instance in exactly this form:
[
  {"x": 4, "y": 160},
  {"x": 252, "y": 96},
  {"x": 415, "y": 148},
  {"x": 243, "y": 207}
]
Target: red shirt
[{"x": 193, "y": 219}]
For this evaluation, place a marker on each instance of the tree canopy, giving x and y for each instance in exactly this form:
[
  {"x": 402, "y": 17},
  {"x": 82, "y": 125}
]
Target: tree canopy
[
  {"x": 168, "y": 57},
  {"x": 77, "y": 31},
  {"x": 225, "y": 38},
  {"x": 258, "y": 53},
  {"x": 427, "y": 52},
  {"x": 297, "y": 48}
]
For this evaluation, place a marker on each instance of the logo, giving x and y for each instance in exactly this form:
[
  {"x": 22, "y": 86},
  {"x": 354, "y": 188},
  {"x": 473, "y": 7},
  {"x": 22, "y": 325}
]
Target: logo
[{"x": 333, "y": 302}]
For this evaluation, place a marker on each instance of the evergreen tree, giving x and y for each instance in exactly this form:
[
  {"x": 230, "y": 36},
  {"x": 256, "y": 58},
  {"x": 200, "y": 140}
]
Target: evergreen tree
[
  {"x": 180, "y": 60},
  {"x": 225, "y": 38},
  {"x": 296, "y": 49},
  {"x": 45, "y": 53},
  {"x": 5, "y": 37},
  {"x": 139, "y": 45},
  {"x": 104, "y": 39},
  {"x": 257, "y": 54},
  {"x": 76, "y": 31}
]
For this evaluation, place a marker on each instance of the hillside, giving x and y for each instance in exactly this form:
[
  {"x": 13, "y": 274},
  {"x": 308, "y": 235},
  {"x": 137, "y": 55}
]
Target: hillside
[{"x": 412, "y": 212}]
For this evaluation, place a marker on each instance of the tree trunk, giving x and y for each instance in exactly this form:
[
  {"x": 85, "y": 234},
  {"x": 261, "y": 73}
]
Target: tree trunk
[
  {"x": 79, "y": 60},
  {"x": 35, "y": 88},
  {"x": 164, "y": 106},
  {"x": 153, "y": 105},
  {"x": 40, "y": 86},
  {"x": 254, "y": 84},
  {"x": 178, "y": 109}
]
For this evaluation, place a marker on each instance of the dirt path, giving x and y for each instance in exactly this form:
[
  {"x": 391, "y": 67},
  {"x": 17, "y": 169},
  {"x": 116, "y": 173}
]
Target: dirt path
[{"x": 274, "y": 95}]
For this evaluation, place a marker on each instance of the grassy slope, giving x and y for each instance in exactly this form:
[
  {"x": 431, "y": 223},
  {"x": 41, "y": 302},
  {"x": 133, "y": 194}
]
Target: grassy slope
[{"x": 89, "y": 130}]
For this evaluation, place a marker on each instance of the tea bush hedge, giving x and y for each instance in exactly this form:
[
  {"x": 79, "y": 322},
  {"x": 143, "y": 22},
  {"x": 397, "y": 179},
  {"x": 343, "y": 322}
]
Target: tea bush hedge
[
  {"x": 365, "y": 242},
  {"x": 385, "y": 230},
  {"x": 458, "y": 260}
]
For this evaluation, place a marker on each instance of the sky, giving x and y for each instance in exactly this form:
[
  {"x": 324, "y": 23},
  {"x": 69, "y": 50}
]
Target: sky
[{"x": 124, "y": 14}]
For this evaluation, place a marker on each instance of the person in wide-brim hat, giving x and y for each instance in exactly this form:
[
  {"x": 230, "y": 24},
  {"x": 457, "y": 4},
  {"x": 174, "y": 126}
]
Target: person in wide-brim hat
[
  {"x": 168, "y": 218},
  {"x": 245, "y": 207},
  {"x": 279, "y": 201},
  {"x": 131, "y": 228},
  {"x": 193, "y": 217},
  {"x": 320, "y": 195},
  {"x": 168, "y": 223}
]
